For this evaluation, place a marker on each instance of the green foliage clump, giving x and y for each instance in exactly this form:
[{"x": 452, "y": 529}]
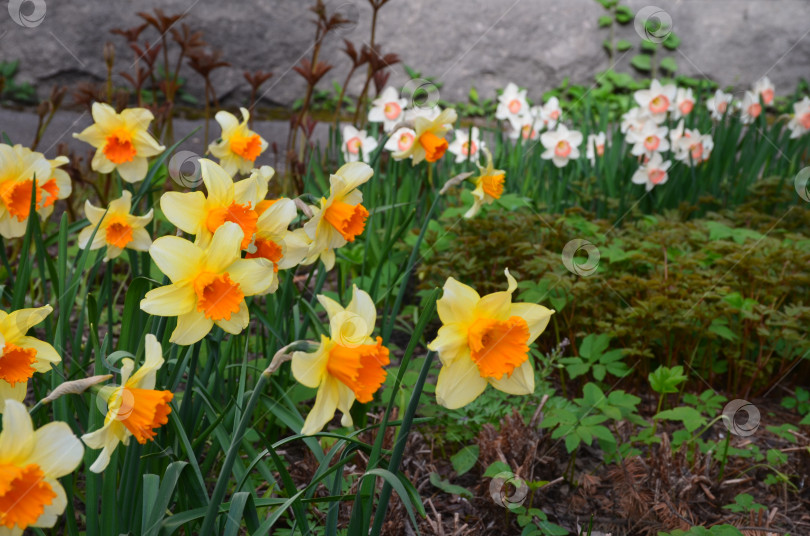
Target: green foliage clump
[{"x": 727, "y": 295}]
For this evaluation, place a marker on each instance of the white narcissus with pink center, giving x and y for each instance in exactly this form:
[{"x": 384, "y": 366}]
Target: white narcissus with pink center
[
  {"x": 634, "y": 119},
  {"x": 512, "y": 103},
  {"x": 693, "y": 147},
  {"x": 401, "y": 140},
  {"x": 551, "y": 112},
  {"x": 719, "y": 103},
  {"x": 683, "y": 104},
  {"x": 561, "y": 145},
  {"x": 800, "y": 123},
  {"x": 388, "y": 108},
  {"x": 357, "y": 145},
  {"x": 467, "y": 144},
  {"x": 676, "y": 134},
  {"x": 750, "y": 108},
  {"x": 527, "y": 128},
  {"x": 652, "y": 173},
  {"x": 650, "y": 139},
  {"x": 764, "y": 89},
  {"x": 657, "y": 99},
  {"x": 595, "y": 146}
]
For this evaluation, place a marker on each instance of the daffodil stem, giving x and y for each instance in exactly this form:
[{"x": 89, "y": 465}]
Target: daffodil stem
[
  {"x": 230, "y": 458},
  {"x": 402, "y": 440}
]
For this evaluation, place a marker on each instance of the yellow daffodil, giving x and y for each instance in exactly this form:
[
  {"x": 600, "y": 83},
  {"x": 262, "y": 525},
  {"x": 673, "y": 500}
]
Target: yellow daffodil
[
  {"x": 273, "y": 240},
  {"x": 485, "y": 340},
  {"x": 488, "y": 186},
  {"x": 20, "y": 355},
  {"x": 208, "y": 286},
  {"x": 19, "y": 166},
  {"x": 133, "y": 409},
  {"x": 238, "y": 147},
  {"x": 429, "y": 143},
  {"x": 31, "y": 462},
  {"x": 122, "y": 141},
  {"x": 194, "y": 213},
  {"x": 118, "y": 229},
  {"x": 341, "y": 217},
  {"x": 347, "y": 365}
]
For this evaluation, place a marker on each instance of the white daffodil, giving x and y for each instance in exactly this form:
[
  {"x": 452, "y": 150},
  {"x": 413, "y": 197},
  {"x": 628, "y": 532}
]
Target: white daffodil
[
  {"x": 693, "y": 147},
  {"x": 401, "y": 140},
  {"x": 357, "y": 145},
  {"x": 764, "y": 89},
  {"x": 561, "y": 145},
  {"x": 388, "y": 108},
  {"x": 657, "y": 99},
  {"x": 550, "y": 113},
  {"x": 683, "y": 104},
  {"x": 718, "y": 104},
  {"x": 528, "y": 127},
  {"x": 799, "y": 124},
  {"x": 676, "y": 134},
  {"x": 652, "y": 173},
  {"x": 650, "y": 139},
  {"x": 751, "y": 108},
  {"x": 465, "y": 146},
  {"x": 595, "y": 146},
  {"x": 634, "y": 119},
  {"x": 512, "y": 103}
]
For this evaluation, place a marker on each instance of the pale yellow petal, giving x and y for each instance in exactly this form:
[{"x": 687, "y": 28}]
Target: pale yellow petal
[
  {"x": 225, "y": 248},
  {"x": 46, "y": 354},
  {"x": 17, "y": 323},
  {"x": 323, "y": 410},
  {"x": 451, "y": 342},
  {"x": 51, "y": 512},
  {"x": 7, "y": 392},
  {"x": 191, "y": 327},
  {"x": 17, "y": 437},
  {"x": 186, "y": 210},
  {"x": 135, "y": 170},
  {"x": 176, "y": 257},
  {"x": 93, "y": 213},
  {"x": 144, "y": 377},
  {"x": 218, "y": 183},
  {"x": 141, "y": 241},
  {"x": 520, "y": 383},
  {"x": 56, "y": 450},
  {"x": 237, "y": 322},
  {"x": 363, "y": 306},
  {"x": 255, "y": 276},
  {"x": 459, "y": 383},
  {"x": 536, "y": 316},
  {"x": 122, "y": 205},
  {"x": 310, "y": 368},
  {"x": 457, "y": 303}
]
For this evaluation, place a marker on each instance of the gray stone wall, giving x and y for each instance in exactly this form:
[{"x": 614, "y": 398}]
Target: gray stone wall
[{"x": 486, "y": 43}]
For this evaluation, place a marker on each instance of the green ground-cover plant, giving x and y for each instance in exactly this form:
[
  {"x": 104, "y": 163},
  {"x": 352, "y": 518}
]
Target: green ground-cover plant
[{"x": 669, "y": 291}]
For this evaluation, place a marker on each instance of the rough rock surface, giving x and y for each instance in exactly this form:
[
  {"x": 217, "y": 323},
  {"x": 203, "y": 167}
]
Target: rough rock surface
[{"x": 486, "y": 43}]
